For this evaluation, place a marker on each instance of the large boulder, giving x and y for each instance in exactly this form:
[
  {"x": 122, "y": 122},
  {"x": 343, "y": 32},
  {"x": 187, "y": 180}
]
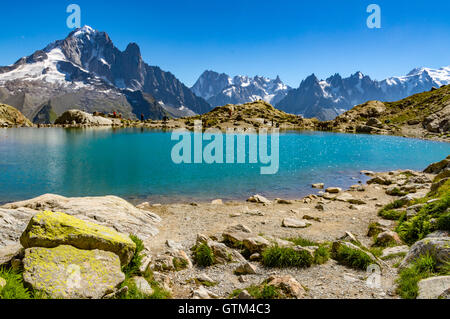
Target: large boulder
[
  {"x": 80, "y": 117},
  {"x": 434, "y": 287},
  {"x": 12, "y": 224},
  {"x": 9, "y": 253},
  {"x": 438, "y": 247},
  {"x": 110, "y": 211},
  {"x": 71, "y": 273},
  {"x": 51, "y": 229}
]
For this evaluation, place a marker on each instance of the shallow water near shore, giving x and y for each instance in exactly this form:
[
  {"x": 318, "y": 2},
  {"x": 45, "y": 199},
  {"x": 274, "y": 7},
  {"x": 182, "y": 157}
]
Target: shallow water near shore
[{"x": 136, "y": 164}]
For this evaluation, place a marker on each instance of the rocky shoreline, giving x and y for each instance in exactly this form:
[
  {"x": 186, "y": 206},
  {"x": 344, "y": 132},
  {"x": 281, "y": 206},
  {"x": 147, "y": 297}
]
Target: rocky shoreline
[{"x": 319, "y": 246}]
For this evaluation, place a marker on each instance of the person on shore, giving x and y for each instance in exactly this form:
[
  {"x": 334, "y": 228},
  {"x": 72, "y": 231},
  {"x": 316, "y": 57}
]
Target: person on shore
[{"x": 142, "y": 117}]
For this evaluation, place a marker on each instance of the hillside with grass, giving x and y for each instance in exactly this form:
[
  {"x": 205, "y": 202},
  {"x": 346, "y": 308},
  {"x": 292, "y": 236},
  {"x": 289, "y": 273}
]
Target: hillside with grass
[
  {"x": 423, "y": 115},
  {"x": 10, "y": 116}
]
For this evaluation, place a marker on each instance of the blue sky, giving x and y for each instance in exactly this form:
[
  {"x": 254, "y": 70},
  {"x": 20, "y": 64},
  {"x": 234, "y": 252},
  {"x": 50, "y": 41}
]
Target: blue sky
[{"x": 288, "y": 38}]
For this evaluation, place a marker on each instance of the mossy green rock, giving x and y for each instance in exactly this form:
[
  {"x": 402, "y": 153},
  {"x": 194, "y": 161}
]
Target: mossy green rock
[
  {"x": 71, "y": 273},
  {"x": 50, "y": 229}
]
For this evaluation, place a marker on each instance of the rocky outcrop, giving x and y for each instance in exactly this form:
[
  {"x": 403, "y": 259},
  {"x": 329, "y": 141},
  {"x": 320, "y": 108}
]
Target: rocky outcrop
[
  {"x": 52, "y": 229},
  {"x": 9, "y": 116},
  {"x": 439, "y": 167},
  {"x": 71, "y": 273},
  {"x": 79, "y": 117},
  {"x": 110, "y": 211}
]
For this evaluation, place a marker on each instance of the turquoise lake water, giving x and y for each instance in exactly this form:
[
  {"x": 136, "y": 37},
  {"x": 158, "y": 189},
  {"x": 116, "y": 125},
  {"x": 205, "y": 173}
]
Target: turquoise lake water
[{"x": 136, "y": 164}]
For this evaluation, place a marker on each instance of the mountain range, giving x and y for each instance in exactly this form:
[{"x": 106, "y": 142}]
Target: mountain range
[
  {"x": 221, "y": 89},
  {"x": 87, "y": 72},
  {"x": 323, "y": 99},
  {"x": 326, "y": 99}
]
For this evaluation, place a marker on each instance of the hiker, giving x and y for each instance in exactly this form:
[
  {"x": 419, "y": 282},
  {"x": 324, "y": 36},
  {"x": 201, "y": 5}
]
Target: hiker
[{"x": 142, "y": 117}]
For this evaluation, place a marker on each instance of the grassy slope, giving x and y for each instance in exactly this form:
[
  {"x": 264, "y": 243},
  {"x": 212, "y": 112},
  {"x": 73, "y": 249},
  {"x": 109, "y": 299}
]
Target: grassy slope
[
  {"x": 12, "y": 116},
  {"x": 402, "y": 117}
]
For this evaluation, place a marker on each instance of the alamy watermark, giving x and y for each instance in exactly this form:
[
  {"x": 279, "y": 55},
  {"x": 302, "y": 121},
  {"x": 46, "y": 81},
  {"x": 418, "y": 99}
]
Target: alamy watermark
[
  {"x": 74, "y": 19},
  {"x": 235, "y": 147},
  {"x": 374, "y": 19}
]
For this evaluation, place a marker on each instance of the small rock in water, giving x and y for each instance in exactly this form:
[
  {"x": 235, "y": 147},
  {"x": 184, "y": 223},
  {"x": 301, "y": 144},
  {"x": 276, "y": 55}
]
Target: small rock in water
[{"x": 318, "y": 185}]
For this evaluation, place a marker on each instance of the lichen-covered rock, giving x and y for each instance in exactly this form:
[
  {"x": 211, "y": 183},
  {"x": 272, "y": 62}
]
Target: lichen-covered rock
[
  {"x": 50, "y": 229},
  {"x": 110, "y": 211},
  {"x": 71, "y": 273}
]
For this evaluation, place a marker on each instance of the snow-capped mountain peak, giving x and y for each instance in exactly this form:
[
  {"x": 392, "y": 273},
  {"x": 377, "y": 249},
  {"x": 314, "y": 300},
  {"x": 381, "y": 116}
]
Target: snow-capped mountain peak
[
  {"x": 109, "y": 78},
  {"x": 221, "y": 89}
]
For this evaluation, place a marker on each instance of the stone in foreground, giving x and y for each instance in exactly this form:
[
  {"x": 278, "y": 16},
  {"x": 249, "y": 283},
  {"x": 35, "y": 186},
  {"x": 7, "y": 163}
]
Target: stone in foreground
[
  {"x": 288, "y": 285},
  {"x": 109, "y": 211},
  {"x": 294, "y": 223},
  {"x": 49, "y": 229},
  {"x": 70, "y": 273},
  {"x": 434, "y": 287}
]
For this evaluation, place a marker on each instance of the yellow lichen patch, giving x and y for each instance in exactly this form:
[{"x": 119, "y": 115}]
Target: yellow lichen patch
[
  {"x": 68, "y": 272},
  {"x": 51, "y": 229}
]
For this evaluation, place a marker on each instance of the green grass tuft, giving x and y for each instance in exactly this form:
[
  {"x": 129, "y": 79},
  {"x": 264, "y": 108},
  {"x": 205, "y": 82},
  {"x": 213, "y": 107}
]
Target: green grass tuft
[
  {"x": 282, "y": 257},
  {"x": 353, "y": 258},
  {"x": 132, "y": 269},
  {"x": 421, "y": 225},
  {"x": 203, "y": 255},
  {"x": 423, "y": 267}
]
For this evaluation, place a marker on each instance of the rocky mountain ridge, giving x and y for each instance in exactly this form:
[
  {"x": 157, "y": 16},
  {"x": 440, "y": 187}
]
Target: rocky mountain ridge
[
  {"x": 86, "y": 71},
  {"x": 326, "y": 99}
]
